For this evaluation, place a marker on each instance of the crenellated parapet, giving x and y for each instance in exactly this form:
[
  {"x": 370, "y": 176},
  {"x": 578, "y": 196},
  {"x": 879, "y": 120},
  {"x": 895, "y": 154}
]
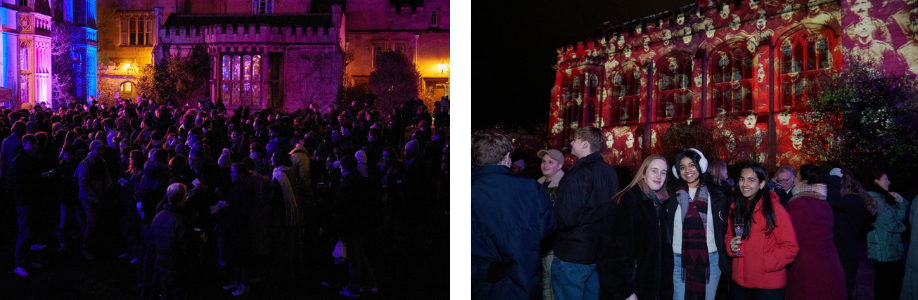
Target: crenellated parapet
[{"x": 282, "y": 29}]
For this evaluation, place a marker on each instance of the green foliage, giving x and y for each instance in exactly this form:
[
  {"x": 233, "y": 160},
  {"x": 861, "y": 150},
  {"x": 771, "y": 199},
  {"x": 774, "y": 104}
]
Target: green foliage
[
  {"x": 177, "y": 79},
  {"x": 863, "y": 119},
  {"x": 394, "y": 80}
]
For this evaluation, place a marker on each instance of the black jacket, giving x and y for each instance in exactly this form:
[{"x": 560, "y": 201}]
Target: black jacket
[
  {"x": 583, "y": 197},
  {"x": 177, "y": 244},
  {"x": 26, "y": 178},
  {"x": 720, "y": 209},
  {"x": 632, "y": 250}
]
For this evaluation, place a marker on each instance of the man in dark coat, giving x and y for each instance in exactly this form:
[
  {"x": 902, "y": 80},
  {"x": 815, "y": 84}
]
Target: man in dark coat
[
  {"x": 94, "y": 181},
  {"x": 11, "y": 147},
  {"x": 177, "y": 244},
  {"x": 149, "y": 190},
  {"x": 26, "y": 179},
  {"x": 583, "y": 197},
  {"x": 784, "y": 183},
  {"x": 510, "y": 216},
  {"x": 356, "y": 202}
]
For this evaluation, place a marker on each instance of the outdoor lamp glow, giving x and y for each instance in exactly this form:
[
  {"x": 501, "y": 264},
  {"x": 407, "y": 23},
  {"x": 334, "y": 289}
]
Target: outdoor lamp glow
[{"x": 443, "y": 67}]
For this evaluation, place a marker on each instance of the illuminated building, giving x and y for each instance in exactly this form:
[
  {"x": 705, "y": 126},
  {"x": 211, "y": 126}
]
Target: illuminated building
[
  {"x": 417, "y": 28},
  {"x": 26, "y": 48},
  {"x": 273, "y": 54},
  {"x": 746, "y": 68}
]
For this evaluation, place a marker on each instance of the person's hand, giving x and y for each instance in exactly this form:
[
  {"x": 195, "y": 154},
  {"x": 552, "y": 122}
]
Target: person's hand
[
  {"x": 632, "y": 297},
  {"x": 122, "y": 181},
  {"x": 735, "y": 244},
  {"x": 897, "y": 196},
  {"x": 836, "y": 172},
  {"x": 222, "y": 204}
]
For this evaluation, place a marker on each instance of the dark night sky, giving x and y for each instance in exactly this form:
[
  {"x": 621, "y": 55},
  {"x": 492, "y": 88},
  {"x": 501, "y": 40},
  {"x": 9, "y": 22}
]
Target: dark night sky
[{"x": 515, "y": 44}]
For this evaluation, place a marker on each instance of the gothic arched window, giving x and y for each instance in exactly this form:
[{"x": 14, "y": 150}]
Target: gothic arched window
[
  {"x": 804, "y": 58},
  {"x": 674, "y": 94},
  {"x": 731, "y": 68},
  {"x": 626, "y": 93},
  {"x": 242, "y": 80}
]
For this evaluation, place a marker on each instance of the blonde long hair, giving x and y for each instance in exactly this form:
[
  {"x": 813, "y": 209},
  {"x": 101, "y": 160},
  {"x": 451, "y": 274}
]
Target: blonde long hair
[{"x": 637, "y": 176}]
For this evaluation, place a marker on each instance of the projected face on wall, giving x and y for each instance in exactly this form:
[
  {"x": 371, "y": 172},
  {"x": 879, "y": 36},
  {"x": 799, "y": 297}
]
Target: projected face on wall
[
  {"x": 754, "y": 4},
  {"x": 627, "y": 51},
  {"x": 784, "y": 118},
  {"x": 670, "y": 110},
  {"x": 710, "y": 31},
  {"x": 646, "y": 43},
  {"x": 629, "y": 140},
  {"x": 667, "y": 36},
  {"x": 797, "y": 138},
  {"x": 698, "y": 80},
  {"x": 761, "y": 73},
  {"x": 861, "y": 9},
  {"x": 724, "y": 11},
  {"x": 749, "y": 121},
  {"x": 687, "y": 35},
  {"x": 680, "y": 19},
  {"x": 610, "y": 140}
]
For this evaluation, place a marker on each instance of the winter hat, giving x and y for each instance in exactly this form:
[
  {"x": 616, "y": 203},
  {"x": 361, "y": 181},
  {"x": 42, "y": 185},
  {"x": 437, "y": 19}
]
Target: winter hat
[{"x": 554, "y": 154}]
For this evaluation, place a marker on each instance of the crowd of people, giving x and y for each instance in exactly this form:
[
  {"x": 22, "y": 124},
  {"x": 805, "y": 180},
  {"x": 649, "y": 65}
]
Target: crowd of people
[
  {"x": 251, "y": 190},
  {"x": 681, "y": 229}
]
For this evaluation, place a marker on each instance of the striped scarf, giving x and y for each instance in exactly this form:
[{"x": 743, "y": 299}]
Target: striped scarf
[{"x": 695, "y": 266}]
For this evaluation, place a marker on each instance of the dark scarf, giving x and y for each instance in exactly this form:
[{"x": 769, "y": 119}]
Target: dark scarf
[
  {"x": 656, "y": 196},
  {"x": 695, "y": 266}
]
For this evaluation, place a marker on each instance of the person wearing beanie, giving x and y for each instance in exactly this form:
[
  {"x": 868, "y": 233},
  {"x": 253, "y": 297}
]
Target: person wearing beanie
[{"x": 94, "y": 182}]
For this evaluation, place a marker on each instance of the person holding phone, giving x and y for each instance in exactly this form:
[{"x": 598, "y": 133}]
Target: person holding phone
[{"x": 767, "y": 242}]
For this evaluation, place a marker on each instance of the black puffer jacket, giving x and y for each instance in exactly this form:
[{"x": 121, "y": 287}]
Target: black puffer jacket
[
  {"x": 583, "y": 197},
  {"x": 633, "y": 251}
]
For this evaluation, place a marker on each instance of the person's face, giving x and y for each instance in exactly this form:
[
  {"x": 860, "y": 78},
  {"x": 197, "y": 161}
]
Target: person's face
[
  {"x": 330, "y": 164},
  {"x": 883, "y": 182},
  {"x": 750, "y": 121},
  {"x": 749, "y": 184},
  {"x": 387, "y": 156},
  {"x": 30, "y": 147},
  {"x": 655, "y": 174},
  {"x": 688, "y": 171},
  {"x": 864, "y": 29},
  {"x": 580, "y": 148},
  {"x": 861, "y": 8},
  {"x": 784, "y": 179},
  {"x": 97, "y": 152},
  {"x": 549, "y": 166},
  {"x": 68, "y": 156}
]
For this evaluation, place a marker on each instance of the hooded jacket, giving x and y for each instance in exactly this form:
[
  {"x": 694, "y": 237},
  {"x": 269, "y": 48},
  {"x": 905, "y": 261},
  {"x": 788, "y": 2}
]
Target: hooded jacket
[{"x": 766, "y": 256}]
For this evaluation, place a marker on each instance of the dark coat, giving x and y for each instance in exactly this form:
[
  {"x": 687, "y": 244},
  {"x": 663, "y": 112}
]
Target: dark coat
[
  {"x": 150, "y": 187},
  {"x": 94, "y": 180},
  {"x": 8, "y": 151},
  {"x": 630, "y": 241},
  {"x": 177, "y": 244},
  {"x": 510, "y": 215},
  {"x": 849, "y": 214},
  {"x": 357, "y": 205},
  {"x": 719, "y": 213},
  {"x": 816, "y": 273},
  {"x": 583, "y": 196},
  {"x": 26, "y": 178}
]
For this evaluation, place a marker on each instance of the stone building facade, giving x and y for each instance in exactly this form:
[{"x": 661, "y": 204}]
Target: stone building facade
[
  {"x": 26, "y": 46},
  {"x": 418, "y": 29},
  {"x": 746, "y": 67}
]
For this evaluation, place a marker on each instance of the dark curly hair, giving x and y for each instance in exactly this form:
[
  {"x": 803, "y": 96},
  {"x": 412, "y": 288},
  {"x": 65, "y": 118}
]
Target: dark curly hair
[{"x": 811, "y": 174}]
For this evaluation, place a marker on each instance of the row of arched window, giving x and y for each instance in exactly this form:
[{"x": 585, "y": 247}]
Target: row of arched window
[{"x": 802, "y": 60}]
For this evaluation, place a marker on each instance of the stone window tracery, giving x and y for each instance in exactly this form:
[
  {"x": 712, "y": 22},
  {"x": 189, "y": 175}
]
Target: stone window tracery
[
  {"x": 804, "y": 58},
  {"x": 674, "y": 94},
  {"x": 626, "y": 93},
  {"x": 242, "y": 80},
  {"x": 731, "y": 69}
]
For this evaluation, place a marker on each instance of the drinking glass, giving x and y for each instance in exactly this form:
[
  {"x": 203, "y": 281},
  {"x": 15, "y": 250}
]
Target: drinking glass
[{"x": 738, "y": 231}]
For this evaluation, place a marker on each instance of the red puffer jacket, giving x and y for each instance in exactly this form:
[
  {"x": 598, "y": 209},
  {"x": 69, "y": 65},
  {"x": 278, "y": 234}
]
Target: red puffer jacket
[{"x": 767, "y": 256}]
